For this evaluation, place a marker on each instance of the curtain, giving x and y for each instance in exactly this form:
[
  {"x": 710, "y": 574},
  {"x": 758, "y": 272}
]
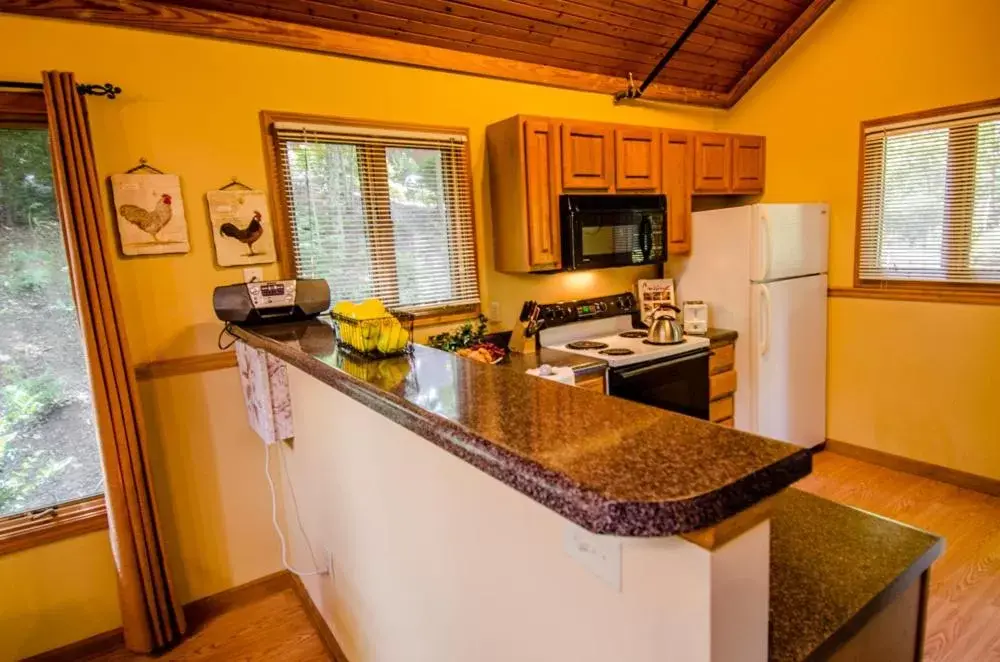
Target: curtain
[{"x": 151, "y": 614}]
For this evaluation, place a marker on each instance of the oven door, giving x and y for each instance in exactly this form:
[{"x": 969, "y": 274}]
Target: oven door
[
  {"x": 612, "y": 230},
  {"x": 678, "y": 384}
]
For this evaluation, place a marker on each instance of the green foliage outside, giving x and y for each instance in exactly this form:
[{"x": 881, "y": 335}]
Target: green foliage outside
[{"x": 48, "y": 449}]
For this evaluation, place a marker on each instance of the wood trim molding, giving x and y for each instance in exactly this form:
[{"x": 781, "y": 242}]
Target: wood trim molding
[
  {"x": 940, "y": 295},
  {"x": 936, "y": 472},
  {"x": 197, "y": 613},
  {"x": 325, "y": 634},
  {"x": 185, "y": 365},
  {"x": 714, "y": 537},
  {"x": 777, "y": 49},
  {"x": 23, "y": 109},
  {"x": 144, "y": 14},
  {"x": 31, "y": 529}
]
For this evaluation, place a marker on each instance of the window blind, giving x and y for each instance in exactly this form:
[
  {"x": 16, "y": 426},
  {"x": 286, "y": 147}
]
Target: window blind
[
  {"x": 381, "y": 213},
  {"x": 930, "y": 208}
]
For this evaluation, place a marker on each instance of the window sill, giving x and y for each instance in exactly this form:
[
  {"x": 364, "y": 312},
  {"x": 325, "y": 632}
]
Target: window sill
[
  {"x": 23, "y": 531},
  {"x": 927, "y": 294},
  {"x": 445, "y": 317}
]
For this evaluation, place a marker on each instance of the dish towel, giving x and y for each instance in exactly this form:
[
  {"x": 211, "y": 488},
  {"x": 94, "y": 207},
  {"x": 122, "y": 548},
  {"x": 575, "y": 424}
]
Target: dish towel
[
  {"x": 562, "y": 374},
  {"x": 264, "y": 379}
]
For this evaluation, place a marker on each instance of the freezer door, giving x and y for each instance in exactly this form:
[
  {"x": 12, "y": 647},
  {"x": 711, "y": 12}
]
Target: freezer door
[
  {"x": 788, "y": 360},
  {"x": 788, "y": 241}
]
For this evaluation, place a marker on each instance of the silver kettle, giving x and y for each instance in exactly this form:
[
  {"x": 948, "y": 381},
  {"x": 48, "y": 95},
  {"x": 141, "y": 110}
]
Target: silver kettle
[{"x": 664, "y": 329}]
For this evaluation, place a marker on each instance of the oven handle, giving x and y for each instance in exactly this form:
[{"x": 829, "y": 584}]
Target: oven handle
[{"x": 625, "y": 374}]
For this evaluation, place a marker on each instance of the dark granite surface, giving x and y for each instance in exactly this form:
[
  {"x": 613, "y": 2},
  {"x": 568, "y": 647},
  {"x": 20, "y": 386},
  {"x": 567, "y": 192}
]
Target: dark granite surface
[
  {"x": 718, "y": 337},
  {"x": 832, "y": 567},
  {"x": 610, "y": 465}
]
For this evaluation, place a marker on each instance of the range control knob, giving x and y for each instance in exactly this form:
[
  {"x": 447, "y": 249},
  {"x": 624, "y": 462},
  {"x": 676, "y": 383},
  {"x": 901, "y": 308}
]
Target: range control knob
[{"x": 601, "y": 307}]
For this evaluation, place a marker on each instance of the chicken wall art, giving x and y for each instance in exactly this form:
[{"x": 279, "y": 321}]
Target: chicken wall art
[
  {"x": 150, "y": 214},
  {"x": 241, "y": 227}
]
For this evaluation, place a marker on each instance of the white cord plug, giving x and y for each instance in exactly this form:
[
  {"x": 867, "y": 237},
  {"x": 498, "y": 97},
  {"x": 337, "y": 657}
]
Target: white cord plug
[{"x": 277, "y": 528}]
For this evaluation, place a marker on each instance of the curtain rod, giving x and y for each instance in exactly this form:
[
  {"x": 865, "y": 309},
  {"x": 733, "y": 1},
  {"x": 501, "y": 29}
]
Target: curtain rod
[{"x": 107, "y": 90}]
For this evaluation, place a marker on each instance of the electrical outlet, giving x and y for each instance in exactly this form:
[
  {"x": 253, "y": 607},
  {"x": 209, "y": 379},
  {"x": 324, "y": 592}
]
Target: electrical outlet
[
  {"x": 253, "y": 274},
  {"x": 329, "y": 563},
  {"x": 601, "y": 555}
]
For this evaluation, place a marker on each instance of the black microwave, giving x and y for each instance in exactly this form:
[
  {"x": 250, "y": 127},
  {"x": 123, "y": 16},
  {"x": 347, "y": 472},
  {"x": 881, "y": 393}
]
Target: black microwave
[{"x": 612, "y": 230}]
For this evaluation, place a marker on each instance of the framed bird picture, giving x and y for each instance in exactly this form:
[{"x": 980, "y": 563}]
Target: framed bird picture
[
  {"x": 241, "y": 226},
  {"x": 150, "y": 214}
]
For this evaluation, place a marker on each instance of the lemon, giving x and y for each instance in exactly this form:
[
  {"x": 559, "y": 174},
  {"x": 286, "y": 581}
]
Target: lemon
[{"x": 369, "y": 309}]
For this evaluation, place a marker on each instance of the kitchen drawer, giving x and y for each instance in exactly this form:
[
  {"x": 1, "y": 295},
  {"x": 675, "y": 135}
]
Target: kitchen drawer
[
  {"x": 720, "y": 410},
  {"x": 592, "y": 383},
  {"x": 722, "y": 384},
  {"x": 726, "y": 423},
  {"x": 722, "y": 359}
]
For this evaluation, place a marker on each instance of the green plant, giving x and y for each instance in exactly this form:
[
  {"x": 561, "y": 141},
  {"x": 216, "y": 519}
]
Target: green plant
[
  {"x": 27, "y": 399},
  {"x": 30, "y": 269},
  {"x": 466, "y": 335}
]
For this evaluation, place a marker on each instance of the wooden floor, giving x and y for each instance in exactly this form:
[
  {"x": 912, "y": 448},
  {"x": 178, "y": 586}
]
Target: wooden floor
[
  {"x": 274, "y": 627},
  {"x": 963, "y": 611},
  {"x": 963, "y": 623}
]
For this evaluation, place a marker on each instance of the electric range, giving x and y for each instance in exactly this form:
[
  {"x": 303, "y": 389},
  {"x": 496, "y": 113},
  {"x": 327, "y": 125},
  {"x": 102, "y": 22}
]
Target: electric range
[{"x": 672, "y": 377}]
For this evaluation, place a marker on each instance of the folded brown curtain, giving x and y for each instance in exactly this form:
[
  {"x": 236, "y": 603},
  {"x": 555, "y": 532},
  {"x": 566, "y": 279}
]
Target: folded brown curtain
[{"x": 151, "y": 614}]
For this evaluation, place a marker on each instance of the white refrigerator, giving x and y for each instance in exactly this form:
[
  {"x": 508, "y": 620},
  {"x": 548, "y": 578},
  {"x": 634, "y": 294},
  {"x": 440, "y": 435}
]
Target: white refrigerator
[{"x": 762, "y": 270}]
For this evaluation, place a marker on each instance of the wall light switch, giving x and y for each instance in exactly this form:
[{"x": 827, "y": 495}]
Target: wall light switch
[
  {"x": 495, "y": 311},
  {"x": 252, "y": 274},
  {"x": 601, "y": 555}
]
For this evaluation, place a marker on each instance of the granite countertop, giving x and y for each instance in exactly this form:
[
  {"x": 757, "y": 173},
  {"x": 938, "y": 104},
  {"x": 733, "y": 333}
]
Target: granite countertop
[
  {"x": 718, "y": 337},
  {"x": 610, "y": 465},
  {"x": 832, "y": 568}
]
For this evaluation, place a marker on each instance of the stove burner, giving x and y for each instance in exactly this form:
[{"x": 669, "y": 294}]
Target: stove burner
[
  {"x": 586, "y": 344},
  {"x": 616, "y": 351},
  {"x": 660, "y": 344},
  {"x": 632, "y": 334}
]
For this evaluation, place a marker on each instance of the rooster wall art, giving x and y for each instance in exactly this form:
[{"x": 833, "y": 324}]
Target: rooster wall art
[
  {"x": 241, "y": 228},
  {"x": 150, "y": 214}
]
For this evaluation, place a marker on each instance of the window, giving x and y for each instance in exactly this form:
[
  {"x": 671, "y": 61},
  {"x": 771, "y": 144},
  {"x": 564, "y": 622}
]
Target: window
[
  {"x": 930, "y": 201},
  {"x": 379, "y": 212},
  {"x": 50, "y": 464}
]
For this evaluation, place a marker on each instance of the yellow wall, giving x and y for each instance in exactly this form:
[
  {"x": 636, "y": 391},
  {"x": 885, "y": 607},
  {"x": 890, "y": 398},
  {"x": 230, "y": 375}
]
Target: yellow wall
[
  {"x": 191, "y": 107},
  {"x": 913, "y": 379}
]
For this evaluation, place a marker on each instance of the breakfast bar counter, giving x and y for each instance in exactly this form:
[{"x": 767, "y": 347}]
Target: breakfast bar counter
[{"x": 609, "y": 465}]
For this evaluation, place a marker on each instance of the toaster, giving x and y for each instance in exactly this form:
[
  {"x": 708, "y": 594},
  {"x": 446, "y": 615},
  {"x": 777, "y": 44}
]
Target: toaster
[{"x": 695, "y": 318}]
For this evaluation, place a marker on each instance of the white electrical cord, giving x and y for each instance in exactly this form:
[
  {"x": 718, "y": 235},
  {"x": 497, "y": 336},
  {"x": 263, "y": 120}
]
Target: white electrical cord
[{"x": 274, "y": 521}]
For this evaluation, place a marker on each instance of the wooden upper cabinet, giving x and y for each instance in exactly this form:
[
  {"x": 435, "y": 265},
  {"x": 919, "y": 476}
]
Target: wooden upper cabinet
[
  {"x": 588, "y": 157},
  {"x": 678, "y": 168},
  {"x": 524, "y": 165},
  {"x": 748, "y": 164},
  {"x": 637, "y": 159},
  {"x": 541, "y": 167},
  {"x": 712, "y": 163}
]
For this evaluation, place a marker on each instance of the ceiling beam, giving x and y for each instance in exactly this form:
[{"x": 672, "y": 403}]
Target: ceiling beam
[
  {"x": 777, "y": 49},
  {"x": 147, "y": 15}
]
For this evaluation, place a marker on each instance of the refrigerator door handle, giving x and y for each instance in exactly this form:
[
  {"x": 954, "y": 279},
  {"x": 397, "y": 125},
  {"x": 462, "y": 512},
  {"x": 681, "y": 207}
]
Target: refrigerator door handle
[
  {"x": 765, "y": 316},
  {"x": 765, "y": 265}
]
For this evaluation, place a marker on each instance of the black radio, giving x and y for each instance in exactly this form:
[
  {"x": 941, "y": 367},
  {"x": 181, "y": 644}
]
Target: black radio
[{"x": 272, "y": 301}]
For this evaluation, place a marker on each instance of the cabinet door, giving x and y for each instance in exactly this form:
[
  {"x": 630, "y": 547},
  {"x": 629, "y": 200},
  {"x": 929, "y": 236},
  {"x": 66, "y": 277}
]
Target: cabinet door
[
  {"x": 748, "y": 164},
  {"x": 678, "y": 166},
  {"x": 588, "y": 157},
  {"x": 712, "y": 163},
  {"x": 637, "y": 159},
  {"x": 541, "y": 170}
]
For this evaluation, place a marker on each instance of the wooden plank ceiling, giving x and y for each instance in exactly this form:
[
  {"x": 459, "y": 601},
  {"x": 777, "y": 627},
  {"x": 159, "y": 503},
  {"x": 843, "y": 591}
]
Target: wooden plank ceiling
[{"x": 729, "y": 50}]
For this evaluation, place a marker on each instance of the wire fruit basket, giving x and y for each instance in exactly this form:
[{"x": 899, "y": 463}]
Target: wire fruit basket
[{"x": 377, "y": 337}]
